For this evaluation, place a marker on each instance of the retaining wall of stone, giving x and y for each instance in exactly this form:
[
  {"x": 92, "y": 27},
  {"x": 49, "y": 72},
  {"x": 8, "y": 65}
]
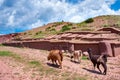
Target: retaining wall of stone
[{"x": 111, "y": 49}]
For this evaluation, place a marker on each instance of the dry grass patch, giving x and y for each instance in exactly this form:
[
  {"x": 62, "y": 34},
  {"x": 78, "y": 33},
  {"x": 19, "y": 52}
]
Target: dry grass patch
[{"x": 71, "y": 76}]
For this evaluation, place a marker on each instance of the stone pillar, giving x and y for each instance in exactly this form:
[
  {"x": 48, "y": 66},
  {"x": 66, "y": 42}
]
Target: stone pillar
[{"x": 105, "y": 48}]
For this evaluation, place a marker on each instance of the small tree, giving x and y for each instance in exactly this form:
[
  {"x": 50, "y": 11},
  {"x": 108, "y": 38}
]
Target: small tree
[
  {"x": 90, "y": 20},
  {"x": 65, "y": 28},
  {"x": 62, "y": 20}
]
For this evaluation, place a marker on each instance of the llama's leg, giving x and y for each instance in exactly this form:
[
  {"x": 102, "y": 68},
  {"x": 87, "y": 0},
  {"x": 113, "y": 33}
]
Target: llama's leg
[
  {"x": 56, "y": 62},
  {"x": 71, "y": 57},
  {"x": 74, "y": 57},
  {"x": 105, "y": 68},
  {"x": 99, "y": 68},
  {"x": 79, "y": 59},
  {"x": 94, "y": 66},
  {"x": 52, "y": 61},
  {"x": 60, "y": 63}
]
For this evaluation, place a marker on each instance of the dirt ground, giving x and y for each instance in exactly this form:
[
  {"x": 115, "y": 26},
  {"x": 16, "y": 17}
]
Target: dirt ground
[{"x": 32, "y": 64}]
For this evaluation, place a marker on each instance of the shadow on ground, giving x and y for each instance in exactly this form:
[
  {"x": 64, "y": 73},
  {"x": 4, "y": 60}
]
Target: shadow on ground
[
  {"x": 93, "y": 71},
  {"x": 75, "y": 62},
  {"x": 53, "y": 65}
]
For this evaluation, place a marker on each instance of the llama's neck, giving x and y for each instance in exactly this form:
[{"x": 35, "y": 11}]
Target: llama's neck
[{"x": 90, "y": 55}]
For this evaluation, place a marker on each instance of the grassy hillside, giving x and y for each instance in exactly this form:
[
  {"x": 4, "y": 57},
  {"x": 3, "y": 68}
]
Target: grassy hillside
[{"x": 90, "y": 24}]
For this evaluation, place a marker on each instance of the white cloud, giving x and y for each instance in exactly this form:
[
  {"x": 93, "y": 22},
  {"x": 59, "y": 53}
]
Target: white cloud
[
  {"x": 110, "y": 2},
  {"x": 33, "y": 13},
  {"x": 118, "y": 12},
  {"x": 36, "y": 24},
  {"x": 76, "y": 18},
  {"x": 1, "y": 2},
  {"x": 11, "y": 19}
]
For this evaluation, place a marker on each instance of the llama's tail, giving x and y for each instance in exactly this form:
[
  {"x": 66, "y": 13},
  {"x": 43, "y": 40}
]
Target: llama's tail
[
  {"x": 105, "y": 57},
  {"x": 61, "y": 55}
]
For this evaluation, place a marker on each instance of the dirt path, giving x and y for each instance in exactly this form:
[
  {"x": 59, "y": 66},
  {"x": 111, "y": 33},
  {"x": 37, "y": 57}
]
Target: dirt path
[{"x": 12, "y": 70}]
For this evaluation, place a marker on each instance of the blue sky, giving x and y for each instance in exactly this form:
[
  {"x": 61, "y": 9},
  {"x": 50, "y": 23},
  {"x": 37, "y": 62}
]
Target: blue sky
[{"x": 21, "y": 15}]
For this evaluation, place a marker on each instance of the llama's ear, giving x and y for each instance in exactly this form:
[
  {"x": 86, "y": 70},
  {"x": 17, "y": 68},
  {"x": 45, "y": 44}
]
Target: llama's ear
[{"x": 89, "y": 49}]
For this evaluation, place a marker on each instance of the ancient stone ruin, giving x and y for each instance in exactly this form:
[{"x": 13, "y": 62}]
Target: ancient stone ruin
[{"x": 102, "y": 41}]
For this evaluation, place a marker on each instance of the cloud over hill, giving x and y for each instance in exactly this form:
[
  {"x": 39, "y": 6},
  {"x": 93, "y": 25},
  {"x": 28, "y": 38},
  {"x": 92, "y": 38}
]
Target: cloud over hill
[{"x": 20, "y": 15}]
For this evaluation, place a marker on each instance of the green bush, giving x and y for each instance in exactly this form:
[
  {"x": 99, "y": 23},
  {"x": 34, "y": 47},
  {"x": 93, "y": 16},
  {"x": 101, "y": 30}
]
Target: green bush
[
  {"x": 48, "y": 28},
  {"x": 90, "y": 20},
  {"x": 65, "y": 28},
  {"x": 38, "y": 32},
  {"x": 53, "y": 29},
  {"x": 105, "y": 25}
]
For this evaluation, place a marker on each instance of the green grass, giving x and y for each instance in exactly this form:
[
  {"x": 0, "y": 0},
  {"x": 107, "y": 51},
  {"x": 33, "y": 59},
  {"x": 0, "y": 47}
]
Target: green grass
[
  {"x": 35, "y": 63},
  {"x": 5, "y": 53},
  {"x": 1, "y": 45},
  {"x": 87, "y": 28},
  {"x": 84, "y": 58},
  {"x": 10, "y": 54},
  {"x": 41, "y": 35},
  {"x": 82, "y": 24},
  {"x": 105, "y": 25},
  {"x": 51, "y": 71}
]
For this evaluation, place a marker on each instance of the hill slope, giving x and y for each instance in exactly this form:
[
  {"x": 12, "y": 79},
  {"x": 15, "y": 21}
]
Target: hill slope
[{"x": 90, "y": 24}]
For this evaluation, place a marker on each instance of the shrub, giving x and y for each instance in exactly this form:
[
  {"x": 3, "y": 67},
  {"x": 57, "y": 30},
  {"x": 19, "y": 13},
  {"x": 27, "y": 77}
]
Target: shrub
[
  {"x": 105, "y": 25},
  {"x": 53, "y": 29},
  {"x": 65, "y": 28},
  {"x": 39, "y": 32},
  {"x": 82, "y": 24},
  {"x": 90, "y": 20},
  {"x": 25, "y": 33},
  {"x": 47, "y": 29}
]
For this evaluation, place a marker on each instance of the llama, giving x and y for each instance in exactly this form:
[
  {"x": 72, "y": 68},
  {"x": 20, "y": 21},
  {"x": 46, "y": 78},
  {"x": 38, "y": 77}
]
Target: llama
[
  {"x": 77, "y": 55},
  {"x": 54, "y": 56},
  {"x": 97, "y": 60}
]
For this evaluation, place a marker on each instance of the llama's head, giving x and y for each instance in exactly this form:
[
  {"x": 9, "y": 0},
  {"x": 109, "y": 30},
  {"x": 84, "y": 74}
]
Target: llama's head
[{"x": 89, "y": 50}]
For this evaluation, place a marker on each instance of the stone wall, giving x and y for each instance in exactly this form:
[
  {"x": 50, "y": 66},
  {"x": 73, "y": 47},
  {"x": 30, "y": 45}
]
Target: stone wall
[
  {"x": 7, "y": 37},
  {"x": 85, "y": 46},
  {"x": 115, "y": 49},
  {"x": 113, "y": 30},
  {"x": 111, "y": 49}
]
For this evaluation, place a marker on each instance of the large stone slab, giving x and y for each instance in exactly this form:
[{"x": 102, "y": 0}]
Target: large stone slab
[{"x": 105, "y": 48}]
